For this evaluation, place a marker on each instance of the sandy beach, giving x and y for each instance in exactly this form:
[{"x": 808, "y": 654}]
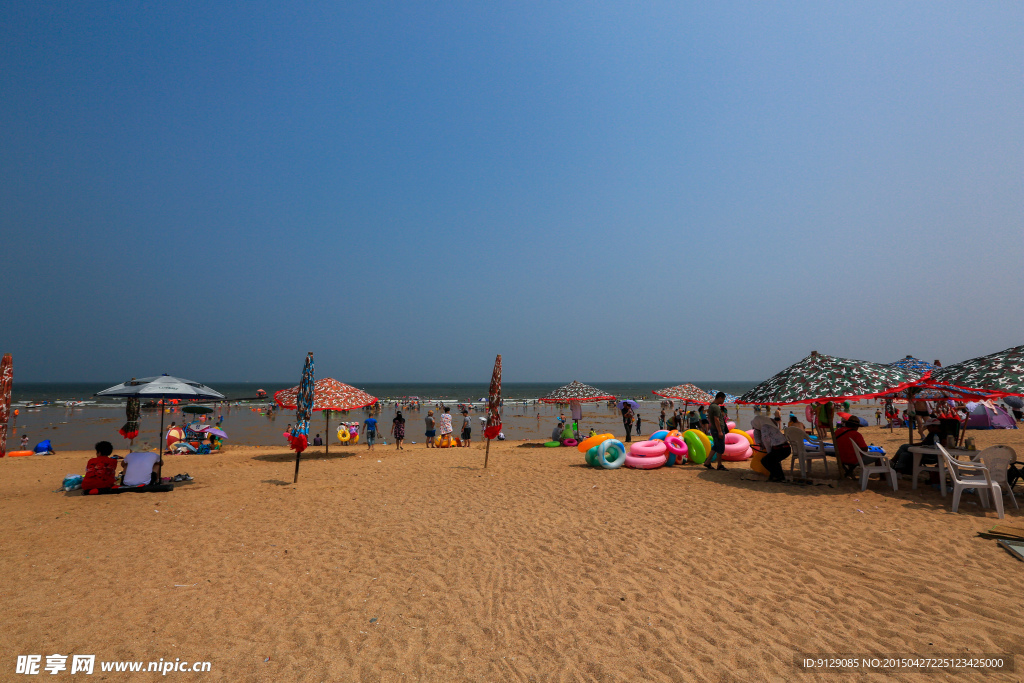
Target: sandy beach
[{"x": 421, "y": 565}]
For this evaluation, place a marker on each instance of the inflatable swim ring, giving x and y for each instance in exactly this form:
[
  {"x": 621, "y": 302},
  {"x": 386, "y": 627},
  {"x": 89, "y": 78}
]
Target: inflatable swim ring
[
  {"x": 730, "y": 425},
  {"x": 695, "y": 447},
  {"x": 569, "y": 443},
  {"x": 659, "y": 435},
  {"x": 343, "y": 434},
  {"x": 648, "y": 449},
  {"x": 640, "y": 463},
  {"x": 675, "y": 432},
  {"x": 736, "y": 447},
  {"x": 553, "y": 444},
  {"x": 592, "y": 441},
  {"x": 748, "y": 437},
  {"x": 591, "y": 457},
  {"x": 677, "y": 447},
  {"x": 19, "y": 454},
  {"x": 611, "y": 454},
  {"x": 705, "y": 440}
]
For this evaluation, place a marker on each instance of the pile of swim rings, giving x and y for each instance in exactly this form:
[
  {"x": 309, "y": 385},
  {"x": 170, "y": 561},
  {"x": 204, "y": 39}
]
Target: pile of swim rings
[
  {"x": 603, "y": 450},
  {"x": 447, "y": 441},
  {"x": 348, "y": 432},
  {"x": 665, "y": 448},
  {"x": 567, "y": 439}
]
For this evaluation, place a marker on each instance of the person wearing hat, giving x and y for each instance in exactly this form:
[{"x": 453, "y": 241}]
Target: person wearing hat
[{"x": 846, "y": 437}]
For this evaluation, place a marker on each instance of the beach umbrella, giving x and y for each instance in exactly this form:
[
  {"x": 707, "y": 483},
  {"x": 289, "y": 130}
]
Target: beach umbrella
[
  {"x": 206, "y": 429},
  {"x": 913, "y": 364},
  {"x": 688, "y": 393},
  {"x": 299, "y": 438},
  {"x": 130, "y": 430},
  {"x": 577, "y": 391},
  {"x": 631, "y": 402},
  {"x": 493, "y": 425},
  {"x": 163, "y": 387},
  {"x": 999, "y": 373},
  {"x": 6, "y": 382},
  {"x": 827, "y": 378},
  {"x": 819, "y": 378},
  {"x": 197, "y": 410},
  {"x": 329, "y": 394},
  {"x": 1014, "y": 402}
]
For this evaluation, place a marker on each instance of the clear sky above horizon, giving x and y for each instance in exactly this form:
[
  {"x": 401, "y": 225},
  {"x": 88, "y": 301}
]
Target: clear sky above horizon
[{"x": 614, "y": 191}]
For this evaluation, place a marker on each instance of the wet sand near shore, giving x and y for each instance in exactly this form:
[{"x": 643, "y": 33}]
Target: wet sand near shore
[{"x": 421, "y": 565}]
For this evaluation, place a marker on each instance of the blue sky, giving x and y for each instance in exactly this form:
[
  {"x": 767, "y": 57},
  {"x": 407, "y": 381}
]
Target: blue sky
[{"x": 599, "y": 190}]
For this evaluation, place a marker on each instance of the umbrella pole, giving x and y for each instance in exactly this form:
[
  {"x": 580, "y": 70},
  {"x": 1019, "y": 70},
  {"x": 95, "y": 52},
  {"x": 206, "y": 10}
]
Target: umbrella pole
[
  {"x": 327, "y": 435},
  {"x": 487, "y": 453},
  {"x": 160, "y": 434},
  {"x": 297, "y": 456}
]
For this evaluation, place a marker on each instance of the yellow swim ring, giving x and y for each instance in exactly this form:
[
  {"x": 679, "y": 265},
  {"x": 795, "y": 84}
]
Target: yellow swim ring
[
  {"x": 343, "y": 434},
  {"x": 591, "y": 441},
  {"x": 742, "y": 433}
]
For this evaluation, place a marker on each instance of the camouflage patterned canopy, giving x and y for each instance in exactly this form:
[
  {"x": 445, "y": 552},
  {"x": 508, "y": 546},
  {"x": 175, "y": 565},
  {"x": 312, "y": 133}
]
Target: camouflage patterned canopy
[
  {"x": 577, "y": 391},
  {"x": 827, "y": 378},
  {"x": 685, "y": 392},
  {"x": 999, "y": 373}
]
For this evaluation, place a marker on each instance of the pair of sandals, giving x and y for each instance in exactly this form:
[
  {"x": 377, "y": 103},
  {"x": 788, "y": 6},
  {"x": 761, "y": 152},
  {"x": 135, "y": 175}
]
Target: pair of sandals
[{"x": 182, "y": 477}]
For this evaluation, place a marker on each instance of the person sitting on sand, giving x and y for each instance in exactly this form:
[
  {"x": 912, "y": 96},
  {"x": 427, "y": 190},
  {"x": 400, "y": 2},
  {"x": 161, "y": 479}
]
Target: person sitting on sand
[
  {"x": 556, "y": 433},
  {"x": 141, "y": 469},
  {"x": 774, "y": 443},
  {"x": 44, "y": 448},
  {"x": 101, "y": 471},
  {"x": 846, "y": 436},
  {"x": 317, "y": 441}
]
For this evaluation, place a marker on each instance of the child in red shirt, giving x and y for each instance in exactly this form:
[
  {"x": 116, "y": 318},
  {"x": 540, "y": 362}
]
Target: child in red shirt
[
  {"x": 846, "y": 436},
  {"x": 100, "y": 471}
]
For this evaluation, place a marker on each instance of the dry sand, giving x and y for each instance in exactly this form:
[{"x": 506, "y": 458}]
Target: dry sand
[{"x": 419, "y": 565}]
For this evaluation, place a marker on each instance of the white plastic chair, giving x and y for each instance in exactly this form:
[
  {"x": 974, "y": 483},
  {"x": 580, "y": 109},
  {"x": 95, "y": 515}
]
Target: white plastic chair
[
  {"x": 997, "y": 459},
  {"x": 795, "y": 436},
  {"x": 919, "y": 467},
  {"x": 880, "y": 466},
  {"x": 971, "y": 475}
]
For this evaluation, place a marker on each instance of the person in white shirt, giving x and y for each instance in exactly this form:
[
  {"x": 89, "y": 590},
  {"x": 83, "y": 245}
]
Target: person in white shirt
[{"x": 141, "y": 469}]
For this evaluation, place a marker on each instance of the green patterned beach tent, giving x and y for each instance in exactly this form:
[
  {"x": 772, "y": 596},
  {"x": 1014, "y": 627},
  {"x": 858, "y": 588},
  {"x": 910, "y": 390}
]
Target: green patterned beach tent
[
  {"x": 577, "y": 391},
  {"x": 997, "y": 373},
  {"x": 827, "y": 378}
]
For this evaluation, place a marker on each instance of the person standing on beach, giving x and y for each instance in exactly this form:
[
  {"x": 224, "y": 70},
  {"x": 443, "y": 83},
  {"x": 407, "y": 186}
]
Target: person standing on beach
[
  {"x": 398, "y": 430},
  {"x": 638, "y": 424},
  {"x": 467, "y": 428},
  {"x": 627, "y": 420},
  {"x": 717, "y": 421},
  {"x": 429, "y": 420},
  {"x": 24, "y": 442},
  {"x": 370, "y": 427},
  {"x": 446, "y": 423},
  {"x": 661, "y": 419}
]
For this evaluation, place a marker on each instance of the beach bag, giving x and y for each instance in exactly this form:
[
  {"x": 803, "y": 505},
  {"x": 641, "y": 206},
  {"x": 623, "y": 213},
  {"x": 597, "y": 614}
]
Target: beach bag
[{"x": 72, "y": 482}]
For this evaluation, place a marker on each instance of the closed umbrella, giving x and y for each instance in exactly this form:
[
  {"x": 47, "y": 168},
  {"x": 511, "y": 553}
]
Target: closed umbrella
[
  {"x": 328, "y": 394},
  {"x": 493, "y": 426},
  {"x": 6, "y": 381},
  {"x": 162, "y": 387},
  {"x": 299, "y": 438},
  {"x": 130, "y": 430}
]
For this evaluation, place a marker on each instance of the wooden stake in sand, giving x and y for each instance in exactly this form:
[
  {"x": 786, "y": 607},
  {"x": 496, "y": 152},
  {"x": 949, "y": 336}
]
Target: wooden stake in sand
[{"x": 493, "y": 427}]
